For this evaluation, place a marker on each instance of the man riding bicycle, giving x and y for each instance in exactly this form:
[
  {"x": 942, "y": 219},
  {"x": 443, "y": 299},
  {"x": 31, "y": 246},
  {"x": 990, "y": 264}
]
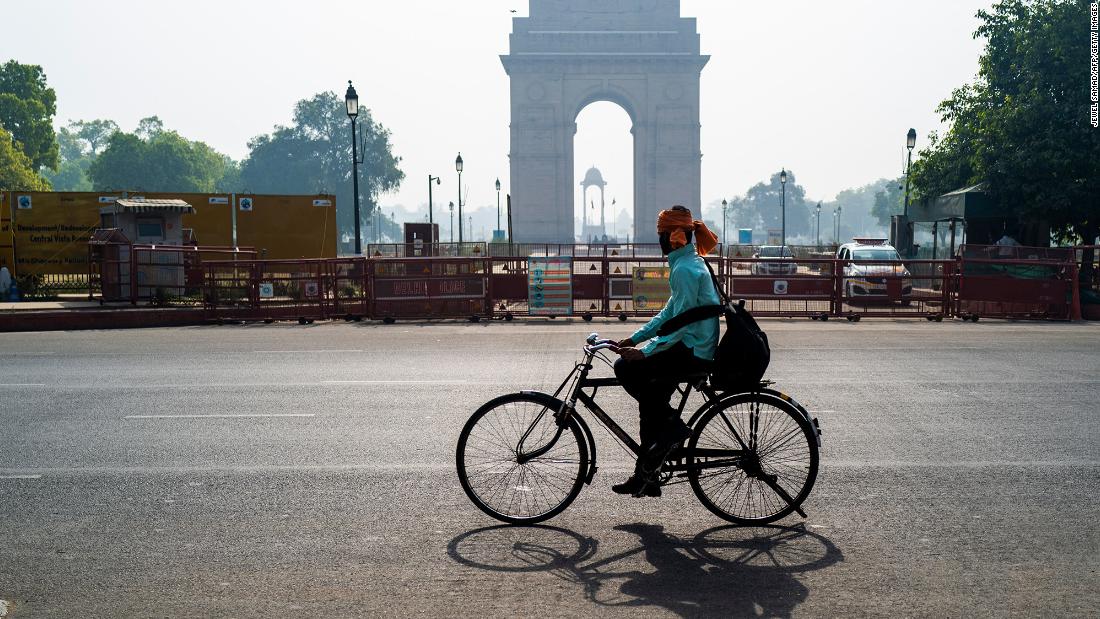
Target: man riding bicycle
[{"x": 651, "y": 373}]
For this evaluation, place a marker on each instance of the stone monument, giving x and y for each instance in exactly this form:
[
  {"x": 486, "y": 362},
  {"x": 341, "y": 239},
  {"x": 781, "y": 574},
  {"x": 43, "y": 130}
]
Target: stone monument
[{"x": 639, "y": 54}]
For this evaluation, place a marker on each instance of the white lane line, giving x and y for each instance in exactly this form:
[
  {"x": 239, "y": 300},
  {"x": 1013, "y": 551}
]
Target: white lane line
[
  {"x": 246, "y": 416},
  {"x": 395, "y": 382},
  {"x": 20, "y": 476},
  {"x": 22, "y": 384},
  {"x": 284, "y": 352},
  {"x": 816, "y": 412}
]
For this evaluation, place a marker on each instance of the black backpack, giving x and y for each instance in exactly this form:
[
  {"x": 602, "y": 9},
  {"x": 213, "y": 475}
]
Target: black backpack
[{"x": 743, "y": 352}]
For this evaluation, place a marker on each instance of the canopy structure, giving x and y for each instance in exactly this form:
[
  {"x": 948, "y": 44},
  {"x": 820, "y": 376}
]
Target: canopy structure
[
  {"x": 983, "y": 221},
  {"x": 133, "y": 205}
]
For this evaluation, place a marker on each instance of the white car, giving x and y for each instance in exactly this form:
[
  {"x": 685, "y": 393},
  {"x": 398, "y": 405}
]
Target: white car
[
  {"x": 774, "y": 260},
  {"x": 869, "y": 265}
]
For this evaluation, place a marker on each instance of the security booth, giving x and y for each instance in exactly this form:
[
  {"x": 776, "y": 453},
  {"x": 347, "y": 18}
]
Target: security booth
[
  {"x": 969, "y": 216},
  {"x": 140, "y": 245},
  {"x": 420, "y": 239}
]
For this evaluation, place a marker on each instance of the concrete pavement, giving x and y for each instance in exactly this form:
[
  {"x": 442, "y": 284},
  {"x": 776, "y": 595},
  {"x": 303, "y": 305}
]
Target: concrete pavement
[{"x": 279, "y": 469}]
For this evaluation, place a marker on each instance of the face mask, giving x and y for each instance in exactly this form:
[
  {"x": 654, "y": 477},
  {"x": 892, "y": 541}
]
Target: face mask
[{"x": 666, "y": 244}]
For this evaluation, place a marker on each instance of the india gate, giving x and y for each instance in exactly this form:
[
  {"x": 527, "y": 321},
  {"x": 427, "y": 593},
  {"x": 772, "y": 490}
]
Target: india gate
[{"x": 639, "y": 54}]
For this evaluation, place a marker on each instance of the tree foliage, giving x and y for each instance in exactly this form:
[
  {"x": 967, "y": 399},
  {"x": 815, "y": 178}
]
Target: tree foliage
[
  {"x": 760, "y": 208},
  {"x": 16, "y": 169},
  {"x": 27, "y": 107},
  {"x": 160, "y": 160},
  {"x": 314, "y": 155},
  {"x": 1023, "y": 126}
]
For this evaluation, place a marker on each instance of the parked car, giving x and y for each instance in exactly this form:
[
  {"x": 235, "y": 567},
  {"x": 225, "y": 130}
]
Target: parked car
[
  {"x": 870, "y": 263},
  {"x": 775, "y": 260}
]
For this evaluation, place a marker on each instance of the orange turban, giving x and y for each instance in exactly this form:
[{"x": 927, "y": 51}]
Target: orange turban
[{"x": 678, "y": 222}]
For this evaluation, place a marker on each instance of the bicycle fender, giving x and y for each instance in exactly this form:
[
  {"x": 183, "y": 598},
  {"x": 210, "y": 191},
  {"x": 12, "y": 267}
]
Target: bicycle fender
[{"x": 588, "y": 437}]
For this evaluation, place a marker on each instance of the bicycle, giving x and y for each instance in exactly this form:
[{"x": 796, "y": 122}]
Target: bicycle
[{"x": 752, "y": 456}]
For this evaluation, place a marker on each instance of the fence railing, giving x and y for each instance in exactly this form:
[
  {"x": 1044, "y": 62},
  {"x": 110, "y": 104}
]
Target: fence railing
[{"x": 232, "y": 284}]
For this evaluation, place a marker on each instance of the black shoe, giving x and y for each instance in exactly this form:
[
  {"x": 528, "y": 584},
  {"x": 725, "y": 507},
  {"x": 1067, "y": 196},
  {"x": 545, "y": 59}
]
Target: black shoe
[{"x": 638, "y": 487}]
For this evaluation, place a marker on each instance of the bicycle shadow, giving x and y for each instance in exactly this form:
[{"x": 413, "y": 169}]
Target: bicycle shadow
[{"x": 723, "y": 571}]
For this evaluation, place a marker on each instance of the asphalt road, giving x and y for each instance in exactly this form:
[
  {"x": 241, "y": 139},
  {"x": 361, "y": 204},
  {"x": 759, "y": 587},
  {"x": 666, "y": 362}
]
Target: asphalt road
[{"x": 282, "y": 470}]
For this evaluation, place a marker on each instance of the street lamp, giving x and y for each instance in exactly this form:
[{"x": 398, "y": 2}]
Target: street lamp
[
  {"x": 437, "y": 182},
  {"x": 818, "y": 209},
  {"x": 452, "y": 208},
  {"x": 783, "y": 203},
  {"x": 351, "y": 100},
  {"x": 498, "y": 204},
  {"x": 910, "y": 142},
  {"x": 725, "y": 209},
  {"x": 836, "y": 216},
  {"x": 458, "y": 167}
]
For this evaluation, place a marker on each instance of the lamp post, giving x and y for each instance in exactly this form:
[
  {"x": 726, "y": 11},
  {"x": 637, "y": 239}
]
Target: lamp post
[
  {"x": 836, "y": 215},
  {"x": 458, "y": 167},
  {"x": 910, "y": 142},
  {"x": 437, "y": 182},
  {"x": 783, "y": 204},
  {"x": 498, "y": 204},
  {"x": 725, "y": 205},
  {"x": 452, "y": 208},
  {"x": 818, "y": 210},
  {"x": 351, "y": 100}
]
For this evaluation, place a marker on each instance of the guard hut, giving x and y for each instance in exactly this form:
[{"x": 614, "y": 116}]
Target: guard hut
[
  {"x": 146, "y": 224},
  {"x": 968, "y": 215}
]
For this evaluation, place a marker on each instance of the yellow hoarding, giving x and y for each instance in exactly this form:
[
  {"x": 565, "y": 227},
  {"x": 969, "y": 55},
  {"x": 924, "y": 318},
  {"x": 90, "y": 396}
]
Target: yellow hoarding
[
  {"x": 287, "y": 227},
  {"x": 650, "y": 287},
  {"x": 49, "y": 231}
]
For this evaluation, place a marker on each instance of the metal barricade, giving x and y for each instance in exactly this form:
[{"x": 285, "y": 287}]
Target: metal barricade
[
  {"x": 428, "y": 288},
  {"x": 173, "y": 274},
  {"x": 348, "y": 288},
  {"x": 894, "y": 288},
  {"x": 783, "y": 286},
  {"x": 267, "y": 290},
  {"x": 993, "y": 282}
]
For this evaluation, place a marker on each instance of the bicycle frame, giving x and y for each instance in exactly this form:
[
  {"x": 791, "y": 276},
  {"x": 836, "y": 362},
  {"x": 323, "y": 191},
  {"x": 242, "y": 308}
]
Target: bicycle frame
[{"x": 674, "y": 462}]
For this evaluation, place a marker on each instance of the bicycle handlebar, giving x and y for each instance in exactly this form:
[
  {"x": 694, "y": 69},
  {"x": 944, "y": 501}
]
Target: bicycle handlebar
[{"x": 594, "y": 343}]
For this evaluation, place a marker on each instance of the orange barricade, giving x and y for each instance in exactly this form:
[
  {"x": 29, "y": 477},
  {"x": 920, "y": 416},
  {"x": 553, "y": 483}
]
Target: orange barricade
[{"x": 428, "y": 288}]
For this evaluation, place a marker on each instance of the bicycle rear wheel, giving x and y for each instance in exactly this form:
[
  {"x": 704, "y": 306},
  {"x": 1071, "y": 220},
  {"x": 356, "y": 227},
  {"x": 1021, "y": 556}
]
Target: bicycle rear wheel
[
  {"x": 490, "y": 468},
  {"x": 752, "y": 459}
]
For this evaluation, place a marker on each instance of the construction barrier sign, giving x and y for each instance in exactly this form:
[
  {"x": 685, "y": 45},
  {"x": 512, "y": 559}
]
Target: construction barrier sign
[
  {"x": 550, "y": 286},
  {"x": 650, "y": 287}
]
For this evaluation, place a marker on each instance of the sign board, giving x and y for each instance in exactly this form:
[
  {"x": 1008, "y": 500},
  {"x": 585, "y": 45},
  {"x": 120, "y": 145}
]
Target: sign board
[
  {"x": 744, "y": 236},
  {"x": 219, "y": 200},
  {"x": 775, "y": 236},
  {"x": 23, "y": 202},
  {"x": 267, "y": 290},
  {"x": 322, "y": 202},
  {"x": 550, "y": 286},
  {"x": 412, "y": 289},
  {"x": 650, "y": 287},
  {"x": 309, "y": 289},
  {"x": 245, "y": 204}
]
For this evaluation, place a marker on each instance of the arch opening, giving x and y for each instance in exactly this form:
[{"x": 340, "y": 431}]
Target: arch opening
[{"x": 603, "y": 172}]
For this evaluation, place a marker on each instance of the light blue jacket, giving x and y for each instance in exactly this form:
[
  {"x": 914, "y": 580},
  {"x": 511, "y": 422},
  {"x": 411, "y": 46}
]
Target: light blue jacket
[{"x": 691, "y": 287}]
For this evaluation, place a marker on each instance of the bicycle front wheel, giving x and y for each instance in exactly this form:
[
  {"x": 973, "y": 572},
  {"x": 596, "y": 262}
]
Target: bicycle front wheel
[
  {"x": 516, "y": 464},
  {"x": 752, "y": 458}
]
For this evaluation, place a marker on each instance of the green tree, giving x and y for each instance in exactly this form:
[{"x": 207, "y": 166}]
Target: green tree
[
  {"x": 1023, "y": 126},
  {"x": 16, "y": 170},
  {"x": 889, "y": 199},
  {"x": 94, "y": 132},
  {"x": 78, "y": 145},
  {"x": 27, "y": 107},
  {"x": 760, "y": 209},
  {"x": 160, "y": 160},
  {"x": 313, "y": 155}
]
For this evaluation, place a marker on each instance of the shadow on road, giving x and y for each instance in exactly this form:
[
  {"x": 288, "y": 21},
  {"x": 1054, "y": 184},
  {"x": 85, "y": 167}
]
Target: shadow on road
[{"x": 723, "y": 571}]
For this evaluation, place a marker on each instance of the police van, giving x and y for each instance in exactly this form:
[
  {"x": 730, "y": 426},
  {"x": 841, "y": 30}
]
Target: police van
[{"x": 873, "y": 270}]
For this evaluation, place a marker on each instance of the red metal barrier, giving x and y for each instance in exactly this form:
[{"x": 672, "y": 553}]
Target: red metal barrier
[
  {"x": 267, "y": 290},
  {"x": 428, "y": 287},
  {"x": 994, "y": 282},
  {"x": 348, "y": 288},
  {"x": 895, "y": 289},
  {"x": 783, "y": 287}
]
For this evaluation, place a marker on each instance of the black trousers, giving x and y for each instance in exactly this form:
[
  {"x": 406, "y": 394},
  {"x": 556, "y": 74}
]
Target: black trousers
[{"x": 652, "y": 381}]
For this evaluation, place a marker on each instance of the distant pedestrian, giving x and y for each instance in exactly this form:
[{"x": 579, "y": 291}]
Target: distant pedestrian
[{"x": 5, "y": 283}]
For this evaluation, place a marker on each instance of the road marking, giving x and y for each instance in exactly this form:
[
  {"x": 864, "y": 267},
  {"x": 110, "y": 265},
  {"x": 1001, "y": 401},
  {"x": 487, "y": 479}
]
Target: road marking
[
  {"x": 4, "y": 605},
  {"x": 822, "y": 411},
  {"x": 20, "y": 477},
  {"x": 219, "y": 416},
  {"x": 395, "y": 382},
  {"x": 283, "y": 352},
  {"x": 22, "y": 385}
]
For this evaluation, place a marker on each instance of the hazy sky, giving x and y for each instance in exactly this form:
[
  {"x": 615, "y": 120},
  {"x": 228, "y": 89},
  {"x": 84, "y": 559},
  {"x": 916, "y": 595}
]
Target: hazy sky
[{"x": 827, "y": 89}]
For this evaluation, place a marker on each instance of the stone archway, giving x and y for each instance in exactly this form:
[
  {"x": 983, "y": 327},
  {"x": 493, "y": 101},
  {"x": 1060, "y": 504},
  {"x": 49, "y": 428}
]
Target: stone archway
[{"x": 639, "y": 54}]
